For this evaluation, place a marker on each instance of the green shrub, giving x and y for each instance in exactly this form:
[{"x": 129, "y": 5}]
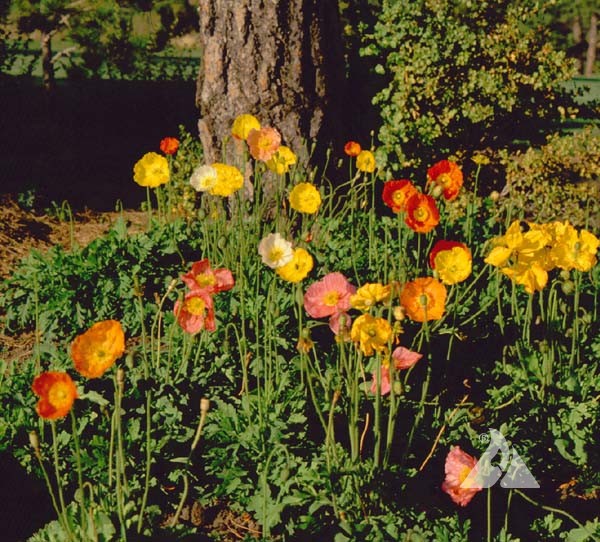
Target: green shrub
[
  {"x": 463, "y": 75},
  {"x": 558, "y": 180}
]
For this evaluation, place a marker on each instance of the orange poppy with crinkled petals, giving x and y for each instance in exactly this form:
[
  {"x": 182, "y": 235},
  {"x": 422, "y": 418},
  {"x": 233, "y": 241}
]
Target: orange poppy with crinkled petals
[
  {"x": 96, "y": 350},
  {"x": 424, "y": 299}
]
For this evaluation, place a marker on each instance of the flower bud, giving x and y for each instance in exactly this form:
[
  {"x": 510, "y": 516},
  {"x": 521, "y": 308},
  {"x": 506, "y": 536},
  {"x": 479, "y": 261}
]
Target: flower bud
[{"x": 204, "y": 405}]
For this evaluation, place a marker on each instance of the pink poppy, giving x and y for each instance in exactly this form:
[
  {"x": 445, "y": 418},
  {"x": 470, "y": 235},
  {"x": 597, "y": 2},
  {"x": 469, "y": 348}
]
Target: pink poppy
[
  {"x": 459, "y": 464},
  {"x": 386, "y": 384},
  {"x": 405, "y": 358},
  {"x": 328, "y": 296},
  {"x": 340, "y": 324},
  {"x": 212, "y": 281},
  {"x": 196, "y": 312},
  {"x": 263, "y": 143}
]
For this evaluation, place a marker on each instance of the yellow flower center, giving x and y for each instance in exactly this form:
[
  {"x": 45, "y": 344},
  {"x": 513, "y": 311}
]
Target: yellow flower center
[
  {"x": 205, "y": 279},
  {"x": 58, "y": 394},
  {"x": 398, "y": 197},
  {"x": 275, "y": 254},
  {"x": 444, "y": 179},
  {"x": 195, "y": 306},
  {"x": 331, "y": 298},
  {"x": 462, "y": 475},
  {"x": 421, "y": 214}
]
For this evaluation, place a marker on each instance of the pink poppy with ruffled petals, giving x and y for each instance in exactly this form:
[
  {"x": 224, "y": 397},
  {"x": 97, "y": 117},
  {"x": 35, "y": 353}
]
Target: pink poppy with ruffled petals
[
  {"x": 203, "y": 277},
  {"x": 386, "y": 384},
  {"x": 405, "y": 358},
  {"x": 328, "y": 296},
  {"x": 340, "y": 324},
  {"x": 195, "y": 312},
  {"x": 458, "y": 467}
]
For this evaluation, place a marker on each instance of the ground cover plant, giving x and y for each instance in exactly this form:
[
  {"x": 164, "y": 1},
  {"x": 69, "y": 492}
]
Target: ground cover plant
[{"x": 281, "y": 356}]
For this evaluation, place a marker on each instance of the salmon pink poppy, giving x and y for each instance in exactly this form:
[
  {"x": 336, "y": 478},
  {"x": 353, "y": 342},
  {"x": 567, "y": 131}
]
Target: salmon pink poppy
[
  {"x": 195, "y": 312},
  {"x": 328, "y": 296},
  {"x": 263, "y": 143},
  {"x": 202, "y": 277},
  {"x": 458, "y": 467}
]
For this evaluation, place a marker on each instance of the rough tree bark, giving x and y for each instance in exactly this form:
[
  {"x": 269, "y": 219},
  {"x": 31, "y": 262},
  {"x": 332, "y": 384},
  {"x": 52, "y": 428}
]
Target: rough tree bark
[{"x": 280, "y": 60}]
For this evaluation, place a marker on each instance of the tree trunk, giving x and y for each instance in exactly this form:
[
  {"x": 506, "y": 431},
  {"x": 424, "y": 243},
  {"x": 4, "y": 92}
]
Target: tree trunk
[
  {"x": 280, "y": 60},
  {"x": 577, "y": 30},
  {"x": 47, "y": 64},
  {"x": 592, "y": 39}
]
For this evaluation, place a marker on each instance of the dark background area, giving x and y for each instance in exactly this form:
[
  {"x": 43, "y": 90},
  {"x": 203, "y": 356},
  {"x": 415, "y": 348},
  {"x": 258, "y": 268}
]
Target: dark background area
[{"x": 80, "y": 144}]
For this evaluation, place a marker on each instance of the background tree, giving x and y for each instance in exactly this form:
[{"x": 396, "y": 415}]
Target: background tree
[
  {"x": 280, "y": 60},
  {"x": 107, "y": 37},
  {"x": 463, "y": 75}
]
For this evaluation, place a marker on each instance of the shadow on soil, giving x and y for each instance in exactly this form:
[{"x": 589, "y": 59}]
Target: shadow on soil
[{"x": 80, "y": 144}]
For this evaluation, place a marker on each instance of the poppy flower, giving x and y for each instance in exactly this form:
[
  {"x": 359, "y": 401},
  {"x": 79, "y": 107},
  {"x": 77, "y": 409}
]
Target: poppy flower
[
  {"x": 371, "y": 333},
  {"x": 275, "y": 251},
  {"x": 422, "y": 214},
  {"x": 365, "y": 162},
  {"x": 169, "y": 145},
  {"x": 229, "y": 180},
  {"x": 57, "y": 393},
  {"x": 282, "y": 160},
  {"x": 370, "y": 294},
  {"x": 328, "y": 296},
  {"x": 263, "y": 143},
  {"x": 96, "y": 350},
  {"x": 202, "y": 277},
  {"x": 457, "y": 483},
  {"x": 195, "y": 312},
  {"x": 297, "y": 268},
  {"x": 452, "y": 260},
  {"x": 242, "y": 125},
  {"x": 397, "y": 193},
  {"x": 447, "y": 175},
  {"x": 352, "y": 148},
  {"x": 151, "y": 170},
  {"x": 424, "y": 299},
  {"x": 305, "y": 198}
]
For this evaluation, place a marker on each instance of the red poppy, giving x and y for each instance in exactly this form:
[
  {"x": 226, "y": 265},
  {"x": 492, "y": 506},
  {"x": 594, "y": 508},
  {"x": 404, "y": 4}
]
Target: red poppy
[
  {"x": 352, "y": 148},
  {"x": 397, "y": 193},
  {"x": 448, "y": 176},
  {"x": 422, "y": 214},
  {"x": 169, "y": 145}
]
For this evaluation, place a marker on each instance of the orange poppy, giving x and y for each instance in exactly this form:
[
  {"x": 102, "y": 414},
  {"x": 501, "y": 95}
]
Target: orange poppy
[
  {"x": 448, "y": 176},
  {"x": 352, "y": 148},
  {"x": 96, "y": 350},
  {"x": 424, "y": 299},
  {"x": 422, "y": 214},
  {"x": 57, "y": 392}
]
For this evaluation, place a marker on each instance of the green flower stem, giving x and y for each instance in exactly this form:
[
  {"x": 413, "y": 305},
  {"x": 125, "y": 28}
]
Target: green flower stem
[
  {"x": 377, "y": 422},
  {"x": 59, "y": 484},
  {"x": 149, "y": 208},
  {"x": 120, "y": 459},
  {"x": 59, "y": 514},
  {"x": 489, "y": 514},
  {"x": 79, "y": 469},
  {"x": 148, "y": 460},
  {"x": 574, "y": 357},
  {"x": 555, "y": 511},
  {"x": 509, "y": 499},
  {"x": 204, "y": 405}
]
